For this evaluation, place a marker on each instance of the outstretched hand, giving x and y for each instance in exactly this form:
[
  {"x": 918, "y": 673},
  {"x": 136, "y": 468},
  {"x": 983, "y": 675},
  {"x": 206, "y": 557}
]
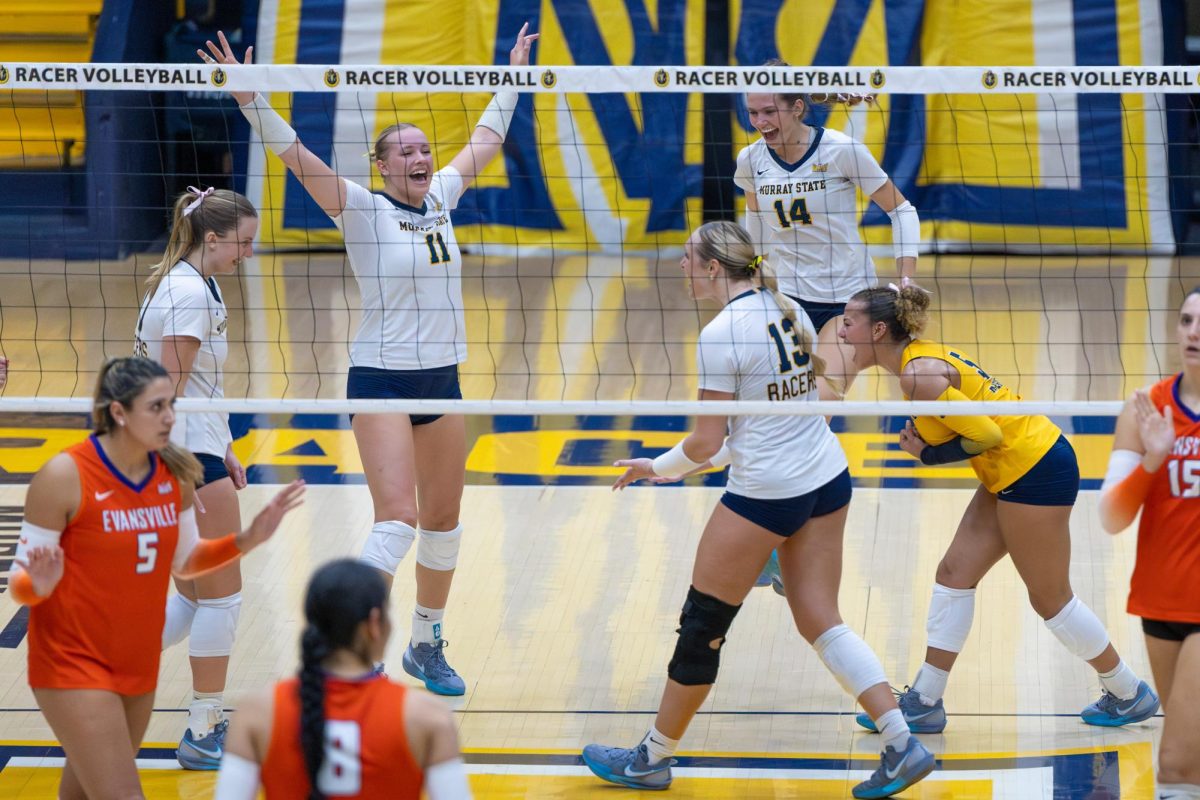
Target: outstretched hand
[
  {"x": 264, "y": 524},
  {"x": 44, "y": 566},
  {"x": 224, "y": 55},
  {"x": 519, "y": 56},
  {"x": 636, "y": 469},
  {"x": 1157, "y": 430}
]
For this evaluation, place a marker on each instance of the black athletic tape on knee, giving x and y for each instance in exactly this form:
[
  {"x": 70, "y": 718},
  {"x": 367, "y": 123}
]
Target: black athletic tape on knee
[{"x": 702, "y": 627}]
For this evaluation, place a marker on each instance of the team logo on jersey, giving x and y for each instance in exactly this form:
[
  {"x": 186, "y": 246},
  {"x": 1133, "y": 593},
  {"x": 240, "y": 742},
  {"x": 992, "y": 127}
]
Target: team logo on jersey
[
  {"x": 662, "y": 78},
  {"x": 878, "y": 79},
  {"x": 221, "y": 327},
  {"x": 3, "y": 74},
  {"x": 549, "y": 79},
  {"x": 218, "y": 77},
  {"x": 332, "y": 78},
  {"x": 820, "y": 168},
  {"x": 164, "y": 487},
  {"x": 989, "y": 80}
]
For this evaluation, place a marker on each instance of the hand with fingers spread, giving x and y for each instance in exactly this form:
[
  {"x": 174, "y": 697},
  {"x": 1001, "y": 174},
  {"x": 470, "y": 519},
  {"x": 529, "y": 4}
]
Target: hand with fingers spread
[
  {"x": 224, "y": 55},
  {"x": 636, "y": 469},
  {"x": 44, "y": 566},
  {"x": 519, "y": 55},
  {"x": 1156, "y": 429},
  {"x": 911, "y": 441},
  {"x": 267, "y": 520}
]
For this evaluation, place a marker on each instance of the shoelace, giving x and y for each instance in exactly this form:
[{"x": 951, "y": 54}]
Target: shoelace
[
  {"x": 1108, "y": 701},
  {"x": 436, "y": 664}
]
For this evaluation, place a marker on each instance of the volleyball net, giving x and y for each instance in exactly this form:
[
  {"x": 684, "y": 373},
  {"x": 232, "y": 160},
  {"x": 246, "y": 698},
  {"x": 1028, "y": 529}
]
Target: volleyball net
[{"x": 1049, "y": 199}]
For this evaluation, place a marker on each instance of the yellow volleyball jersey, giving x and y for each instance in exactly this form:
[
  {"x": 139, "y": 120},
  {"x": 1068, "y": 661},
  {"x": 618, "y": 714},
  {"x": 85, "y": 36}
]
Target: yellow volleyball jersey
[{"x": 1026, "y": 438}]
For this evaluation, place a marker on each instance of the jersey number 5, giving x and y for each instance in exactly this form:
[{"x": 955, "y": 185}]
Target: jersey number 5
[
  {"x": 341, "y": 771},
  {"x": 147, "y": 553},
  {"x": 1185, "y": 478},
  {"x": 798, "y": 356},
  {"x": 797, "y": 213},
  {"x": 433, "y": 252}
]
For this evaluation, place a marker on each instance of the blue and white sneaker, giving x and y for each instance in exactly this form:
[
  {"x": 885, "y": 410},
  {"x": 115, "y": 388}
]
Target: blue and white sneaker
[
  {"x": 920, "y": 717},
  {"x": 426, "y": 662},
  {"x": 897, "y": 771},
  {"x": 203, "y": 753},
  {"x": 628, "y": 766},
  {"x": 1111, "y": 711},
  {"x": 769, "y": 573}
]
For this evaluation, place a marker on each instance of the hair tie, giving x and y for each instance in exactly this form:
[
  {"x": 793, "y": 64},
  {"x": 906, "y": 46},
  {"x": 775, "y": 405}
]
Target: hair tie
[
  {"x": 754, "y": 264},
  {"x": 200, "y": 195}
]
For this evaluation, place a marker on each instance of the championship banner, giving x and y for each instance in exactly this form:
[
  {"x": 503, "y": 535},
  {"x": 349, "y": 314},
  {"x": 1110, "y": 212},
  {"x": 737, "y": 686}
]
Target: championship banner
[{"x": 617, "y": 164}]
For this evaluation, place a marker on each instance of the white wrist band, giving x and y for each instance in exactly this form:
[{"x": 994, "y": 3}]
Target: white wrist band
[
  {"x": 277, "y": 136},
  {"x": 723, "y": 457},
  {"x": 674, "y": 463},
  {"x": 499, "y": 113},
  {"x": 906, "y": 230}
]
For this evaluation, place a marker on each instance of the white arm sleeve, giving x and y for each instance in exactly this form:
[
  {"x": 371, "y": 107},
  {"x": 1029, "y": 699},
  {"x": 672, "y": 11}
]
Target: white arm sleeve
[
  {"x": 722, "y": 457},
  {"x": 906, "y": 230},
  {"x": 238, "y": 779},
  {"x": 32, "y": 536},
  {"x": 446, "y": 781},
  {"x": 1120, "y": 464},
  {"x": 499, "y": 113},
  {"x": 277, "y": 136},
  {"x": 189, "y": 534}
]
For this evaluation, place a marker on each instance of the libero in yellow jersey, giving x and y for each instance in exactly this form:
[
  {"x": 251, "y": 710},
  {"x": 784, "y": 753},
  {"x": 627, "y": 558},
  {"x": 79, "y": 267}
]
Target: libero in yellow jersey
[
  {"x": 1029, "y": 480},
  {"x": 1014, "y": 443}
]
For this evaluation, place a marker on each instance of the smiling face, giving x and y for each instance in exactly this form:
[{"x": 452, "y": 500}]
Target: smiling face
[
  {"x": 149, "y": 418},
  {"x": 776, "y": 121},
  {"x": 1188, "y": 331},
  {"x": 406, "y": 164},
  {"x": 226, "y": 251}
]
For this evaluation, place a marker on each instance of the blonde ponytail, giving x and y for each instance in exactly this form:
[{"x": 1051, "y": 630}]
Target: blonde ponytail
[{"x": 194, "y": 215}]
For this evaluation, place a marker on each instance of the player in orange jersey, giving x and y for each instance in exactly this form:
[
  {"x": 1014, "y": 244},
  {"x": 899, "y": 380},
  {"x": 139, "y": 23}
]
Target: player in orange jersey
[
  {"x": 107, "y": 522},
  {"x": 341, "y": 726},
  {"x": 1155, "y": 466}
]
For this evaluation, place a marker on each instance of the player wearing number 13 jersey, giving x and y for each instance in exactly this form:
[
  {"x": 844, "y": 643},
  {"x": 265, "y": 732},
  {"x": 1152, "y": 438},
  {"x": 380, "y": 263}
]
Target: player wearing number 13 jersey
[{"x": 107, "y": 522}]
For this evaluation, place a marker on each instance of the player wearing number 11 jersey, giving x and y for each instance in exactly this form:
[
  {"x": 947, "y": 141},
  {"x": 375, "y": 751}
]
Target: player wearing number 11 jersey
[{"x": 1155, "y": 467}]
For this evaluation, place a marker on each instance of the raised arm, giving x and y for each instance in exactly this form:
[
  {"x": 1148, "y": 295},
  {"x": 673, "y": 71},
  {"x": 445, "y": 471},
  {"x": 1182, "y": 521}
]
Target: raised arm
[
  {"x": 1143, "y": 441},
  {"x": 488, "y": 136},
  {"x": 318, "y": 178}
]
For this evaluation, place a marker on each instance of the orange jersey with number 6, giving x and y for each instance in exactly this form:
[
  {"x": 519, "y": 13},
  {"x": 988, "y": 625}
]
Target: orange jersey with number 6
[
  {"x": 1165, "y": 585},
  {"x": 366, "y": 745},
  {"x": 102, "y": 626}
]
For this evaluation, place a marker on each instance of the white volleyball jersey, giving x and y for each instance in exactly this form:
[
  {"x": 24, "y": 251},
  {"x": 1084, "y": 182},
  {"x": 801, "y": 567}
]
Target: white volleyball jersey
[
  {"x": 409, "y": 272},
  {"x": 185, "y": 304},
  {"x": 753, "y": 351},
  {"x": 810, "y": 210}
]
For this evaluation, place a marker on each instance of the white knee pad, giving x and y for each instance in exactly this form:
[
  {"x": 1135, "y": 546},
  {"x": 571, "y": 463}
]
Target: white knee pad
[
  {"x": 1177, "y": 791},
  {"x": 951, "y": 612},
  {"x": 180, "y": 612},
  {"x": 1080, "y": 630},
  {"x": 387, "y": 545},
  {"x": 439, "y": 549},
  {"x": 214, "y": 627},
  {"x": 850, "y": 659}
]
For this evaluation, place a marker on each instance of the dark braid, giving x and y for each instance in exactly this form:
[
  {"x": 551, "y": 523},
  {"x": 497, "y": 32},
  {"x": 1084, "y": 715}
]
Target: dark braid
[{"x": 341, "y": 596}]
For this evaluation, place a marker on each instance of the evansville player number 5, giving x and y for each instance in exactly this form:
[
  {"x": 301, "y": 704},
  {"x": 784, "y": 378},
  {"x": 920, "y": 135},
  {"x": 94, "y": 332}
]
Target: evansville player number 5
[{"x": 147, "y": 552}]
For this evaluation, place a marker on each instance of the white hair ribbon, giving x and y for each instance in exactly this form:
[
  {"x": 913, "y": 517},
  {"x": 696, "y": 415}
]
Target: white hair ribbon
[{"x": 200, "y": 195}]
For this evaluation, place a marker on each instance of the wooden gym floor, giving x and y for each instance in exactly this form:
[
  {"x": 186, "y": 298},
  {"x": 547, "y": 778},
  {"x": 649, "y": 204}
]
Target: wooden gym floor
[{"x": 567, "y": 595}]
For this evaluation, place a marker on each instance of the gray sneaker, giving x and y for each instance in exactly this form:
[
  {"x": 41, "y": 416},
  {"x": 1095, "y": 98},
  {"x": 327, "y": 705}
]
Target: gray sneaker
[
  {"x": 628, "y": 766},
  {"x": 426, "y": 662},
  {"x": 897, "y": 771},
  {"x": 920, "y": 717},
  {"x": 1111, "y": 711}
]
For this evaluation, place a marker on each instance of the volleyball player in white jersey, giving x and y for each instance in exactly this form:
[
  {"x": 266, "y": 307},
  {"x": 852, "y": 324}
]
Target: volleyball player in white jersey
[
  {"x": 789, "y": 488},
  {"x": 410, "y": 342},
  {"x": 182, "y": 325},
  {"x": 801, "y": 183}
]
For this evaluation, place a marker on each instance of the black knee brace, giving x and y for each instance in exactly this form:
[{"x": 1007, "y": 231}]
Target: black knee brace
[{"x": 702, "y": 627}]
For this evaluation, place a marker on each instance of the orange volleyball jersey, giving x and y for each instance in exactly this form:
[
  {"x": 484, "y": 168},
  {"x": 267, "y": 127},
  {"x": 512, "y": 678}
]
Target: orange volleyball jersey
[
  {"x": 366, "y": 745},
  {"x": 102, "y": 626},
  {"x": 1166, "y": 578}
]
